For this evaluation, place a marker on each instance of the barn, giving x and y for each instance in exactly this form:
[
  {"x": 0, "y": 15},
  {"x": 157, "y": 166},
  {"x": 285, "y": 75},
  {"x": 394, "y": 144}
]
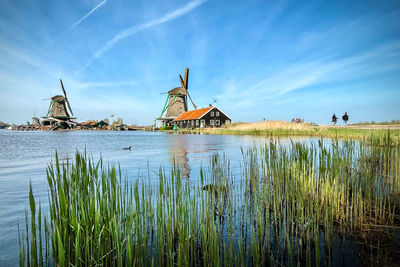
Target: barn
[{"x": 201, "y": 118}]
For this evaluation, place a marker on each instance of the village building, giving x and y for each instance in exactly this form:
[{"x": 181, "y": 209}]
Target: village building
[
  {"x": 201, "y": 118},
  {"x": 178, "y": 115},
  {"x": 93, "y": 124}
]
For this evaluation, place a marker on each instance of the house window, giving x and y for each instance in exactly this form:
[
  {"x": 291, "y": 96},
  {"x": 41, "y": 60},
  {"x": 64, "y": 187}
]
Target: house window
[
  {"x": 217, "y": 123},
  {"x": 192, "y": 122},
  {"x": 227, "y": 121},
  {"x": 211, "y": 122},
  {"x": 217, "y": 113},
  {"x": 180, "y": 123},
  {"x": 202, "y": 123},
  {"x": 212, "y": 113},
  {"x": 197, "y": 122}
]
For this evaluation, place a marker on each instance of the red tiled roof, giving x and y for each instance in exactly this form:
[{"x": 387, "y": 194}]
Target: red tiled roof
[
  {"x": 91, "y": 123},
  {"x": 193, "y": 114}
]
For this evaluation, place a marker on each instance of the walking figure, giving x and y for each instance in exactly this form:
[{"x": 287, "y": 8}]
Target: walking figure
[
  {"x": 334, "y": 119},
  {"x": 345, "y": 118}
]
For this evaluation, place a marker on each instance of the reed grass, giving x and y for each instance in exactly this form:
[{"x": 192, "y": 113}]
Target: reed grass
[{"x": 285, "y": 208}]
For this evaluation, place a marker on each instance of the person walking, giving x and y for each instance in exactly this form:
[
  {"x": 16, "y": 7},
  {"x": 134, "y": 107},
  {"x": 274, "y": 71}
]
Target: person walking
[
  {"x": 334, "y": 119},
  {"x": 345, "y": 118}
]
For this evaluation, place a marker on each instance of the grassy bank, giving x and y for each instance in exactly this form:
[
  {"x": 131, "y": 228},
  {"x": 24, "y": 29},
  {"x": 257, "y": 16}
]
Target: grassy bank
[
  {"x": 282, "y": 128},
  {"x": 286, "y": 207}
]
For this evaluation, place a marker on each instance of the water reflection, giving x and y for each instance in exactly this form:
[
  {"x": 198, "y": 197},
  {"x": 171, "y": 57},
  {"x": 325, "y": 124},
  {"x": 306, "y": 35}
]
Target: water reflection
[{"x": 178, "y": 151}]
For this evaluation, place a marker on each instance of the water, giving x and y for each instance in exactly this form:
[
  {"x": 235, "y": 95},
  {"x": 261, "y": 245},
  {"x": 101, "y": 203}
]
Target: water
[{"x": 25, "y": 155}]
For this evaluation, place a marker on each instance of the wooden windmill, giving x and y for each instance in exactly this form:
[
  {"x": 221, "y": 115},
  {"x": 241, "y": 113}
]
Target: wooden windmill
[
  {"x": 177, "y": 98},
  {"x": 58, "y": 114}
]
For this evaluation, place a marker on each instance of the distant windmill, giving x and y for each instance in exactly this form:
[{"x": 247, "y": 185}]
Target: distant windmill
[{"x": 58, "y": 111}]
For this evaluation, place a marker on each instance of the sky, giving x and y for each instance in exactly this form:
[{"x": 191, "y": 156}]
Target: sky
[{"x": 255, "y": 60}]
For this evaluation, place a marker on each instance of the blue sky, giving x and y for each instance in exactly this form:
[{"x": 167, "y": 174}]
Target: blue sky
[{"x": 259, "y": 59}]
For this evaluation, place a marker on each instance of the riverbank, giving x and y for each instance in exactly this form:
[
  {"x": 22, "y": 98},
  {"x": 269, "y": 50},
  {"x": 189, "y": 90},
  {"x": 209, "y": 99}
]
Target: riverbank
[{"x": 282, "y": 128}]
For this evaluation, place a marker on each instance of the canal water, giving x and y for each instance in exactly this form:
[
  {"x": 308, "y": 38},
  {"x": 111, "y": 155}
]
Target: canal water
[{"x": 24, "y": 157}]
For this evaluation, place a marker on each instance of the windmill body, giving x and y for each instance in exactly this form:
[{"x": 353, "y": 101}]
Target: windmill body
[
  {"x": 177, "y": 103},
  {"x": 58, "y": 108}
]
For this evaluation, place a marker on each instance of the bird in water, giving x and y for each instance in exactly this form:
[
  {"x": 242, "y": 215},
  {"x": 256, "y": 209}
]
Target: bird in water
[{"x": 127, "y": 148}]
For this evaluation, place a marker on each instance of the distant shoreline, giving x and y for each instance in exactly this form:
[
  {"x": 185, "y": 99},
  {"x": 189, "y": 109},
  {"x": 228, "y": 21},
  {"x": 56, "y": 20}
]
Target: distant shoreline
[{"x": 271, "y": 128}]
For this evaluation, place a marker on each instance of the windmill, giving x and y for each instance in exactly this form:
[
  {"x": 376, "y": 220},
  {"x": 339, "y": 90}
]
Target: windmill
[
  {"x": 58, "y": 114},
  {"x": 177, "y": 98},
  {"x": 176, "y": 103}
]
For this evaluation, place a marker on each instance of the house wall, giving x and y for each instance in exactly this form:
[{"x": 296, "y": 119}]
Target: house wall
[
  {"x": 208, "y": 118},
  {"x": 212, "y": 116}
]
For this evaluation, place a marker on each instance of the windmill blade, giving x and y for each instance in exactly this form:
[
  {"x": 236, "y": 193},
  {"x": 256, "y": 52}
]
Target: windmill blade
[
  {"x": 182, "y": 83},
  {"x": 66, "y": 99},
  {"x": 69, "y": 106},
  {"x": 195, "y": 107},
  {"x": 186, "y": 77},
  {"x": 62, "y": 87}
]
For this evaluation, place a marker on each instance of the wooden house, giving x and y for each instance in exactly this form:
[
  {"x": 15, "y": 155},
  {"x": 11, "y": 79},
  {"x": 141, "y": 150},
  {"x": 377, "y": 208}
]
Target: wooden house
[{"x": 201, "y": 118}]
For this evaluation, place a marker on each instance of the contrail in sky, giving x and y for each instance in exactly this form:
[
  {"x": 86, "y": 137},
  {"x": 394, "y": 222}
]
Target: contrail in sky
[
  {"x": 140, "y": 27},
  {"x": 88, "y": 14}
]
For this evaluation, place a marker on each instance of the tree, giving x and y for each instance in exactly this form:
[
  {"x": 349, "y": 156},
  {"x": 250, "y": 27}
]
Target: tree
[{"x": 118, "y": 121}]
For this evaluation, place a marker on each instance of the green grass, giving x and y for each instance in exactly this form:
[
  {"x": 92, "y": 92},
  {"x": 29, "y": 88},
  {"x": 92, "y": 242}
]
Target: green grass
[
  {"x": 285, "y": 208},
  {"x": 392, "y": 122}
]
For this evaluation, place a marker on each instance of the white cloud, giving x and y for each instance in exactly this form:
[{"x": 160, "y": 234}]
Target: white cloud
[
  {"x": 88, "y": 14},
  {"x": 137, "y": 28}
]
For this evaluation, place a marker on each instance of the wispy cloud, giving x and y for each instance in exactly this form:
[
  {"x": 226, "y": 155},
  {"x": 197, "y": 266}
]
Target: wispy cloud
[
  {"x": 137, "y": 28},
  {"x": 305, "y": 74},
  {"x": 88, "y": 14}
]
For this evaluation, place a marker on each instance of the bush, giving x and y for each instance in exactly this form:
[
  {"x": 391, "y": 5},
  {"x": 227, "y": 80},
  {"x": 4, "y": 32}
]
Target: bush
[{"x": 166, "y": 128}]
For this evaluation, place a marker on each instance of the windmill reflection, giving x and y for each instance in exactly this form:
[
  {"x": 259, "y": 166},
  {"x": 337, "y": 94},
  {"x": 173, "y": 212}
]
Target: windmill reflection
[{"x": 178, "y": 151}]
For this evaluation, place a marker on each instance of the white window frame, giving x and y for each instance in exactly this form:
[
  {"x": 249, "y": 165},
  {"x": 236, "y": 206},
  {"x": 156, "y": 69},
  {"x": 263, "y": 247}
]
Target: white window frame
[
  {"x": 211, "y": 122},
  {"x": 212, "y": 113},
  {"x": 217, "y": 123},
  {"x": 217, "y": 113},
  {"x": 202, "y": 123},
  {"x": 197, "y": 122},
  {"x": 192, "y": 122}
]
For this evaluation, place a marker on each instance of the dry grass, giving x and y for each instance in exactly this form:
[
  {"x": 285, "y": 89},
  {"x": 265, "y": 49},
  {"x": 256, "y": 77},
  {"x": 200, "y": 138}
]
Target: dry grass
[
  {"x": 269, "y": 125},
  {"x": 283, "y": 128}
]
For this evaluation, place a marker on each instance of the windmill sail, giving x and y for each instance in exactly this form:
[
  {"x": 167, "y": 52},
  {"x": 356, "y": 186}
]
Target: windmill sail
[{"x": 66, "y": 99}]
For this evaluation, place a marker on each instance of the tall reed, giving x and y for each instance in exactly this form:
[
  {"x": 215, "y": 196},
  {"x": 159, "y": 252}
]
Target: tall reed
[{"x": 286, "y": 207}]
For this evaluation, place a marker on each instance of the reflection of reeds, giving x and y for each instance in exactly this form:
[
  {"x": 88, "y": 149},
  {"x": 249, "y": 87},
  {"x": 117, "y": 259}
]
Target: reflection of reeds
[{"x": 286, "y": 209}]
